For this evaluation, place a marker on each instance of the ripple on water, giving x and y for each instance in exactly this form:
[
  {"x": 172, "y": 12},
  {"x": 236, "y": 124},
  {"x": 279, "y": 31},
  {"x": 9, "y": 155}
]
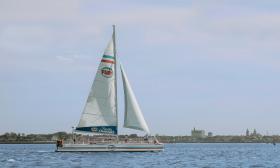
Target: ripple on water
[
  {"x": 175, "y": 155},
  {"x": 43, "y": 151},
  {"x": 11, "y": 160}
]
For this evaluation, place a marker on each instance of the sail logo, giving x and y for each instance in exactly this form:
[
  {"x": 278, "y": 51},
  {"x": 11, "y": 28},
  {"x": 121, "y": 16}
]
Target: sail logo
[
  {"x": 102, "y": 130},
  {"x": 107, "y": 72}
]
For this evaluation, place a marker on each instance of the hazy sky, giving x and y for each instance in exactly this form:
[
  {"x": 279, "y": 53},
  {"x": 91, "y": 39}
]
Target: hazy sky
[{"x": 213, "y": 65}]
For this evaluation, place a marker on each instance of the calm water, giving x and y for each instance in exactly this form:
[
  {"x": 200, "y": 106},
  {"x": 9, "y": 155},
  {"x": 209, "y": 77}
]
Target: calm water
[{"x": 175, "y": 155}]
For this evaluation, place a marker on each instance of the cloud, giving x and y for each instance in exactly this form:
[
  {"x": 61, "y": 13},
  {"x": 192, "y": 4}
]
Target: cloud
[
  {"x": 72, "y": 58},
  {"x": 66, "y": 59},
  {"x": 38, "y": 11},
  {"x": 227, "y": 31}
]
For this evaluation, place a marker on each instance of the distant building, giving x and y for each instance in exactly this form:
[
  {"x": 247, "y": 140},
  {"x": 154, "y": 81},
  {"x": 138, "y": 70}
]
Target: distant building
[
  {"x": 210, "y": 134},
  {"x": 247, "y": 132},
  {"x": 255, "y": 132},
  {"x": 54, "y": 138},
  {"x": 198, "y": 133}
]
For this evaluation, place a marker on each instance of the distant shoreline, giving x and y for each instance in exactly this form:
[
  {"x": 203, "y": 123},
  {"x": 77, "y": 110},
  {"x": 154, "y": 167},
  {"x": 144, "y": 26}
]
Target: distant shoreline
[
  {"x": 52, "y": 143},
  {"x": 17, "y": 138},
  {"x": 19, "y": 142}
]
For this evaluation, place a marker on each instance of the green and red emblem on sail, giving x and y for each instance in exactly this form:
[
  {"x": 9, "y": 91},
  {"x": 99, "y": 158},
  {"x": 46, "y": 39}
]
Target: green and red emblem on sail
[
  {"x": 107, "y": 72},
  {"x": 108, "y": 59}
]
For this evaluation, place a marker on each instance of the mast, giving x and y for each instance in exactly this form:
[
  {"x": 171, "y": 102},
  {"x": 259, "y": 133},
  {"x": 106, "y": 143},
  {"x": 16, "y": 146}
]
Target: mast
[{"x": 116, "y": 93}]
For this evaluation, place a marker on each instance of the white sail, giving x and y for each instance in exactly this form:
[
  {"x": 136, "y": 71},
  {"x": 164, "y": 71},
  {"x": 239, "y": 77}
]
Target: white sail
[
  {"x": 100, "y": 112},
  {"x": 133, "y": 116}
]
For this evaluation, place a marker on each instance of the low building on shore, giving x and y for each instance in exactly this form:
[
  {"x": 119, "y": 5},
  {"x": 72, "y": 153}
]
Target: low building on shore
[
  {"x": 195, "y": 133},
  {"x": 247, "y": 132},
  {"x": 210, "y": 134}
]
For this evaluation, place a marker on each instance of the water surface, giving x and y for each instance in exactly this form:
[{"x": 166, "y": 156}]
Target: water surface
[{"x": 175, "y": 155}]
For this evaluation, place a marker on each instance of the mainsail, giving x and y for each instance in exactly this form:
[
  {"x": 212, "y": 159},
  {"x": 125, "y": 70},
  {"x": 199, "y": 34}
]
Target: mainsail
[
  {"x": 100, "y": 112},
  {"x": 133, "y": 116}
]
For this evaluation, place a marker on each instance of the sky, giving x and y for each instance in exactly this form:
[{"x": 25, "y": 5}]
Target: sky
[{"x": 213, "y": 65}]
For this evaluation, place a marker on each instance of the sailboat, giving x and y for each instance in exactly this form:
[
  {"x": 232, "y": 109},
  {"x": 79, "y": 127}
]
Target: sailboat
[{"x": 100, "y": 114}]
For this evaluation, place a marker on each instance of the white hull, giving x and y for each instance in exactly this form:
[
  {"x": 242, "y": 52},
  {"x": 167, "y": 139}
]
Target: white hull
[{"x": 110, "y": 148}]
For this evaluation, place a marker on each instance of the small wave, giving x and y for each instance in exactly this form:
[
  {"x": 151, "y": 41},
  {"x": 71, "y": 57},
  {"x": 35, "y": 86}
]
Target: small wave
[
  {"x": 11, "y": 160},
  {"x": 257, "y": 166},
  {"x": 254, "y": 157},
  {"x": 42, "y": 151}
]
